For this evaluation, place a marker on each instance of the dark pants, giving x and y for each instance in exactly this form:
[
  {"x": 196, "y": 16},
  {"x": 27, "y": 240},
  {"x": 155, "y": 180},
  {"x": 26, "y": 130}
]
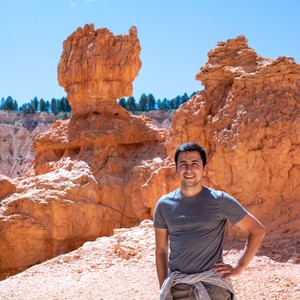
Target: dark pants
[{"x": 180, "y": 292}]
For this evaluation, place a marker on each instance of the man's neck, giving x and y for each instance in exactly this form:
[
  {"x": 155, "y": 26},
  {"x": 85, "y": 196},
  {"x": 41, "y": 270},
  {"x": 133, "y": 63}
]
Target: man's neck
[{"x": 190, "y": 191}]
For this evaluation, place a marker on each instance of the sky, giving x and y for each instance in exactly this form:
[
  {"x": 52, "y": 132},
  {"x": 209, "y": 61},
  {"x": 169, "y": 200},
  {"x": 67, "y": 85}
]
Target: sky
[{"x": 175, "y": 37}]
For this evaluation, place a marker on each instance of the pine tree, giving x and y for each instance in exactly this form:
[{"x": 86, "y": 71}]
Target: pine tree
[
  {"x": 8, "y": 104},
  {"x": 27, "y": 108},
  {"x": 151, "y": 102},
  {"x": 2, "y": 103},
  {"x": 122, "y": 102},
  {"x": 35, "y": 103},
  {"x": 158, "y": 104},
  {"x": 62, "y": 104},
  {"x": 54, "y": 106},
  {"x": 131, "y": 104},
  {"x": 173, "y": 104},
  {"x": 68, "y": 106},
  {"x": 144, "y": 103},
  {"x": 165, "y": 105},
  {"x": 177, "y": 101},
  {"x": 184, "y": 98},
  {"x": 15, "y": 105},
  {"x": 48, "y": 106},
  {"x": 42, "y": 105}
]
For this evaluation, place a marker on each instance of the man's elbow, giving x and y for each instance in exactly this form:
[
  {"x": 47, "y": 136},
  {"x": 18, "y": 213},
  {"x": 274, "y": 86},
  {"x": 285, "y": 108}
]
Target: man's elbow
[
  {"x": 259, "y": 231},
  {"x": 161, "y": 252},
  {"x": 263, "y": 231}
]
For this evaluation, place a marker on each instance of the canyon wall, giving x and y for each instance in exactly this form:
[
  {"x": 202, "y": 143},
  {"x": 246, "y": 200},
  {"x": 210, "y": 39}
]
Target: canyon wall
[
  {"x": 105, "y": 168},
  {"x": 17, "y": 132},
  {"x": 248, "y": 119}
]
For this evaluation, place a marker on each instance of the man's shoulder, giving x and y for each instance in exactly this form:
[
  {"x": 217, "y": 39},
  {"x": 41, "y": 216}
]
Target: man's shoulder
[
  {"x": 169, "y": 196},
  {"x": 216, "y": 194}
]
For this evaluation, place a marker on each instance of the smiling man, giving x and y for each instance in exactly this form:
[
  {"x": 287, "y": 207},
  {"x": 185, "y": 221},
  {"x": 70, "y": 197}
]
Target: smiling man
[{"x": 190, "y": 221}]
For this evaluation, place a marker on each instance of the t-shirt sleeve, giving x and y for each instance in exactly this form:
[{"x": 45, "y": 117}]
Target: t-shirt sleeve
[
  {"x": 159, "y": 220},
  {"x": 231, "y": 209}
]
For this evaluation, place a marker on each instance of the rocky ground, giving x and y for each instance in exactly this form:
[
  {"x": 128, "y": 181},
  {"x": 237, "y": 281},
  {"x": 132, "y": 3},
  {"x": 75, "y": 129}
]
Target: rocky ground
[{"x": 122, "y": 267}]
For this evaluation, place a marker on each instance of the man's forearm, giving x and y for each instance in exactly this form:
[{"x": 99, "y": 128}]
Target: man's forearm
[
  {"x": 161, "y": 267},
  {"x": 252, "y": 245}
]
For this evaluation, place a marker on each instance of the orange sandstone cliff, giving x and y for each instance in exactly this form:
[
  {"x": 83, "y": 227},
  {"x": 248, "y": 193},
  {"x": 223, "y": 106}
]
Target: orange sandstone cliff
[
  {"x": 248, "y": 119},
  {"x": 105, "y": 168},
  {"x": 88, "y": 175}
]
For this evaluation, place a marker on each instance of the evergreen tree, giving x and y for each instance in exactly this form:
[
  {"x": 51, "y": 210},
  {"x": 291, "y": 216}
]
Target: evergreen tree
[
  {"x": 15, "y": 105},
  {"x": 2, "y": 103},
  {"x": 184, "y": 98},
  {"x": 165, "y": 105},
  {"x": 151, "y": 102},
  {"x": 62, "y": 104},
  {"x": 68, "y": 106},
  {"x": 54, "y": 106},
  {"x": 131, "y": 104},
  {"x": 35, "y": 103},
  {"x": 158, "y": 104},
  {"x": 47, "y": 106},
  {"x": 122, "y": 102},
  {"x": 144, "y": 103},
  {"x": 42, "y": 105},
  {"x": 177, "y": 101},
  {"x": 27, "y": 108},
  {"x": 8, "y": 104},
  {"x": 173, "y": 103}
]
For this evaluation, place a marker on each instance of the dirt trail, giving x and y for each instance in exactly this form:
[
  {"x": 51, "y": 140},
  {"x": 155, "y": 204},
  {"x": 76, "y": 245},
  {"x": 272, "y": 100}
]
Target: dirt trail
[{"x": 122, "y": 267}]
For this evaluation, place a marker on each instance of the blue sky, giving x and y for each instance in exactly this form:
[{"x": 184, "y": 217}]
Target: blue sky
[{"x": 175, "y": 37}]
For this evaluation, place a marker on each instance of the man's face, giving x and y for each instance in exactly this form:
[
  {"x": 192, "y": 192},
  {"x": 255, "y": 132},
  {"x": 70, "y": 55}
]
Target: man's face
[{"x": 190, "y": 169}]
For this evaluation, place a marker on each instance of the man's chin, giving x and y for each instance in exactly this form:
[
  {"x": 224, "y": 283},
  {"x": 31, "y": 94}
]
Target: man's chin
[{"x": 191, "y": 183}]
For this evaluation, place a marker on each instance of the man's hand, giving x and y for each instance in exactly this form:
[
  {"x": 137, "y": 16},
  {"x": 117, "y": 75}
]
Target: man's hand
[
  {"x": 227, "y": 270},
  {"x": 256, "y": 233}
]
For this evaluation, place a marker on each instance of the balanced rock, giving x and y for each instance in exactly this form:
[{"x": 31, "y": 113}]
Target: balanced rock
[
  {"x": 96, "y": 67},
  {"x": 88, "y": 174}
]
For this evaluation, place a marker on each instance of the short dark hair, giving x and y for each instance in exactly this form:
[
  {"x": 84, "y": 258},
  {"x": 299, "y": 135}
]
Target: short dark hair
[{"x": 188, "y": 147}]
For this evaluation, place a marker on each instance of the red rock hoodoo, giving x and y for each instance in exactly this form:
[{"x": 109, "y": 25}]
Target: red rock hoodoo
[
  {"x": 96, "y": 67},
  {"x": 248, "y": 119},
  {"x": 105, "y": 168},
  {"x": 88, "y": 175}
]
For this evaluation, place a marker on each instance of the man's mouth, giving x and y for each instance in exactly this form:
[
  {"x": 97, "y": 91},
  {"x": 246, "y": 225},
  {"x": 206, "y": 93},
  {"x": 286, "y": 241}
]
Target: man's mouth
[{"x": 189, "y": 176}]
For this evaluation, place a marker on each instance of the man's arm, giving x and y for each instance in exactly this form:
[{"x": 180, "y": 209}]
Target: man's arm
[
  {"x": 256, "y": 233},
  {"x": 161, "y": 254}
]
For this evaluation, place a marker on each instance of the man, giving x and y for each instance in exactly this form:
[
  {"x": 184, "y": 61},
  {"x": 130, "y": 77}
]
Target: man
[{"x": 192, "y": 218}]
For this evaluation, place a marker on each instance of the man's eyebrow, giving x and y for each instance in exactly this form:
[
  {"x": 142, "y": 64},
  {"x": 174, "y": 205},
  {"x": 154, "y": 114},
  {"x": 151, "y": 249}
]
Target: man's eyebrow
[{"x": 184, "y": 161}]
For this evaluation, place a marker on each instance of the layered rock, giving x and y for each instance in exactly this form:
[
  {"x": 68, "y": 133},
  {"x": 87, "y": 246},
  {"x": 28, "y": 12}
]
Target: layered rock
[
  {"x": 88, "y": 174},
  {"x": 17, "y": 132},
  {"x": 105, "y": 168},
  {"x": 97, "y": 67},
  {"x": 6, "y": 187},
  {"x": 248, "y": 119}
]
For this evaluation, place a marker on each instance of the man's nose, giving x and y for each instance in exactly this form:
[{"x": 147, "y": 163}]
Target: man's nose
[{"x": 188, "y": 167}]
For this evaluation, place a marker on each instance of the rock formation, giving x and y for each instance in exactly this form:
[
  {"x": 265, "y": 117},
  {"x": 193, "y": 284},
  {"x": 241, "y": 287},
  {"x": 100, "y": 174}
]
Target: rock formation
[
  {"x": 248, "y": 119},
  {"x": 105, "y": 168},
  {"x": 17, "y": 132},
  {"x": 6, "y": 187},
  {"x": 88, "y": 175},
  {"x": 96, "y": 67}
]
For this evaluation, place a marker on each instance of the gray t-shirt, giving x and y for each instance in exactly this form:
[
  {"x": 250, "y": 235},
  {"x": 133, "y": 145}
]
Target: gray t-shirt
[{"x": 196, "y": 227}]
